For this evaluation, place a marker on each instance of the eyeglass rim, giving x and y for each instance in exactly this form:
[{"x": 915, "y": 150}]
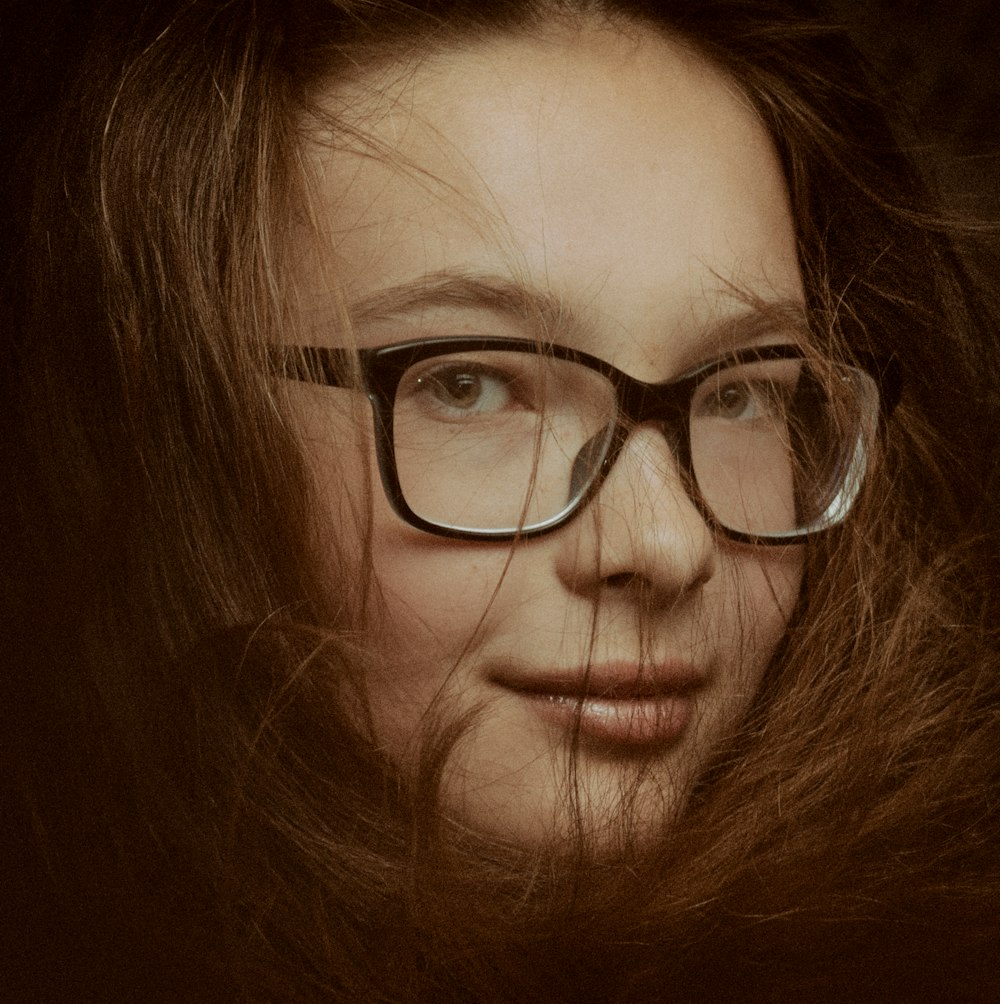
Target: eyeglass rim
[{"x": 381, "y": 369}]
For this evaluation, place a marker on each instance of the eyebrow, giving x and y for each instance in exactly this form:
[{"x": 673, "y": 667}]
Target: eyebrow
[
  {"x": 518, "y": 301},
  {"x": 459, "y": 289}
]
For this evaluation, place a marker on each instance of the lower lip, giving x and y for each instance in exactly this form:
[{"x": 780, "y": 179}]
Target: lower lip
[{"x": 650, "y": 721}]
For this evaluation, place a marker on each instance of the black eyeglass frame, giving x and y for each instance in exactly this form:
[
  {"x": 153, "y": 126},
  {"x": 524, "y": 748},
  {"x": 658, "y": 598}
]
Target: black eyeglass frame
[{"x": 638, "y": 403}]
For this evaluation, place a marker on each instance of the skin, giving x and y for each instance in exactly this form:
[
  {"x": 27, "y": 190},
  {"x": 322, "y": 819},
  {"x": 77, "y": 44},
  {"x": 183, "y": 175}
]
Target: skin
[{"x": 628, "y": 189}]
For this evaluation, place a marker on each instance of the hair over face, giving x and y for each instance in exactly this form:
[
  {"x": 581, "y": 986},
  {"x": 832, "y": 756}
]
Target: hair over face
[{"x": 185, "y": 779}]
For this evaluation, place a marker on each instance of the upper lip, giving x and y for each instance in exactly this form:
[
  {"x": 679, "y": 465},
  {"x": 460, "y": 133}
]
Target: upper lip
[{"x": 606, "y": 680}]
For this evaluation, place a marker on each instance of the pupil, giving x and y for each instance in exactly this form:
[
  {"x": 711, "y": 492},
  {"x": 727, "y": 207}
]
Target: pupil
[
  {"x": 461, "y": 388},
  {"x": 732, "y": 400}
]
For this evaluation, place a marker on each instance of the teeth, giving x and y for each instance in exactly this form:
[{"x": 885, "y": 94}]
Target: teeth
[
  {"x": 606, "y": 708},
  {"x": 603, "y": 709}
]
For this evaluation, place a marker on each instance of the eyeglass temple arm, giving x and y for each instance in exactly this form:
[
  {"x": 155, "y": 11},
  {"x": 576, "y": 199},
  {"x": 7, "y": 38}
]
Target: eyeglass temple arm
[{"x": 316, "y": 364}]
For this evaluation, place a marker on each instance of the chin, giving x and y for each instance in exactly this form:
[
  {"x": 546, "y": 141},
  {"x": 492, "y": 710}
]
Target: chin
[{"x": 577, "y": 802}]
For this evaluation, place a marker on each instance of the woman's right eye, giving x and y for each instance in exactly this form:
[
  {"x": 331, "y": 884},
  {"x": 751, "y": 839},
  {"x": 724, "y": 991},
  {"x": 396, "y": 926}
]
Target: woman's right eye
[{"x": 465, "y": 389}]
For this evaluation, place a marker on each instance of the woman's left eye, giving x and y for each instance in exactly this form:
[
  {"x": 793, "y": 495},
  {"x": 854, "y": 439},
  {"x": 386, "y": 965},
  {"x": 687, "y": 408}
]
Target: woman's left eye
[
  {"x": 749, "y": 393},
  {"x": 736, "y": 402},
  {"x": 739, "y": 402}
]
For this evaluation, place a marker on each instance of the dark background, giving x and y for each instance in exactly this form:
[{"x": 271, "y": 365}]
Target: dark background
[{"x": 942, "y": 61}]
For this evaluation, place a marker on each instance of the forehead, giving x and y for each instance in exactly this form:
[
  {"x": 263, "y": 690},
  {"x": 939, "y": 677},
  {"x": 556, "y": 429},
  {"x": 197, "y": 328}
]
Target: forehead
[{"x": 621, "y": 173}]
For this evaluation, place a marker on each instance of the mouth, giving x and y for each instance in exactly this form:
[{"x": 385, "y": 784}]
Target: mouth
[{"x": 614, "y": 705}]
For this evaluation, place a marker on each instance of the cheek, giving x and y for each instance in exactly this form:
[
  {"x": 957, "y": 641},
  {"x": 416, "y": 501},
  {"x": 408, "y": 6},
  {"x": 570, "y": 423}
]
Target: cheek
[
  {"x": 432, "y": 593},
  {"x": 335, "y": 430},
  {"x": 428, "y": 611},
  {"x": 419, "y": 601},
  {"x": 744, "y": 614},
  {"x": 424, "y": 582},
  {"x": 761, "y": 591}
]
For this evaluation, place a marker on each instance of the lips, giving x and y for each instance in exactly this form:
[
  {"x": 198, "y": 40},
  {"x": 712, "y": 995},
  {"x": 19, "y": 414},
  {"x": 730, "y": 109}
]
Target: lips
[{"x": 614, "y": 704}]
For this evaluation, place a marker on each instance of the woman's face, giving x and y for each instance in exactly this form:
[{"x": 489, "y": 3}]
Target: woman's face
[{"x": 611, "y": 193}]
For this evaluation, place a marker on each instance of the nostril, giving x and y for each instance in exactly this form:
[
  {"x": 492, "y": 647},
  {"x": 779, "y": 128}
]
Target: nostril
[{"x": 623, "y": 580}]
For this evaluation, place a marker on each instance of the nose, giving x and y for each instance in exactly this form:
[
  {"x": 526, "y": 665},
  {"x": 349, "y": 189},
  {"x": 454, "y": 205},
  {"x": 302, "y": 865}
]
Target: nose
[{"x": 642, "y": 528}]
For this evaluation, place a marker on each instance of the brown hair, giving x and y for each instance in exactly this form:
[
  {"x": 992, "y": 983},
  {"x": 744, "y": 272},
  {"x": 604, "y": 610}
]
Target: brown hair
[{"x": 195, "y": 815}]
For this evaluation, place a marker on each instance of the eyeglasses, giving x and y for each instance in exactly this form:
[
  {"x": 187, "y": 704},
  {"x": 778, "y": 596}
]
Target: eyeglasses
[{"x": 497, "y": 438}]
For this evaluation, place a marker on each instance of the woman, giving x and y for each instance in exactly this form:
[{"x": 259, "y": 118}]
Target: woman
[{"x": 296, "y": 713}]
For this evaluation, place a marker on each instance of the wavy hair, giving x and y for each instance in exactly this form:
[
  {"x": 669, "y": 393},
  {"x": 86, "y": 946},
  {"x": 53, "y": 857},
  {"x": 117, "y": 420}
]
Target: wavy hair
[{"x": 194, "y": 817}]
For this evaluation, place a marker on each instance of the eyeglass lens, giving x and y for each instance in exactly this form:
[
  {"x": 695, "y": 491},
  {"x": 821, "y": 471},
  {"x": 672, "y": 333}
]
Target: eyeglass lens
[{"x": 501, "y": 441}]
